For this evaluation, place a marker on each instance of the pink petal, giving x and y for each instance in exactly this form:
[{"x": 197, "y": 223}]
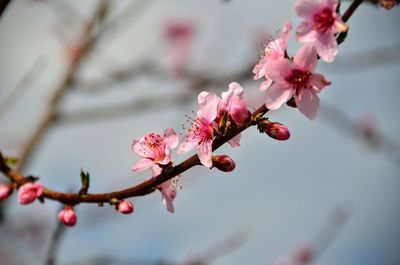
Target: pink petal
[
  {"x": 142, "y": 164},
  {"x": 278, "y": 95},
  {"x": 308, "y": 103},
  {"x": 306, "y": 58},
  {"x": 266, "y": 84},
  {"x": 307, "y": 8},
  {"x": 156, "y": 170},
  {"x": 235, "y": 141},
  {"x": 171, "y": 138},
  {"x": 236, "y": 88},
  {"x": 305, "y": 33},
  {"x": 318, "y": 82},
  {"x": 167, "y": 201},
  {"x": 285, "y": 34},
  {"x": 187, "y": 144},
  {"x": 327, "y": 47},
  {"x": 259, "y": 70},
  {"x": 278, "y": 70},
  {"x": 137, "y": 147},
  {"x": 208, "y": 106},
  {"x": 205, "y": 153}
]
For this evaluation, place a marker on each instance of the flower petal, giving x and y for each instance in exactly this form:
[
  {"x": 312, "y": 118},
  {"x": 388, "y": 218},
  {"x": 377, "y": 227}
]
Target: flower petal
[
  {"x": 278, "y": 95},
  {"x": 235, "y": 141},
  {"x": 187, "y": 144},
  {"x": 171, "y": 138},
  {"x": 142, "y": 164},
  {"x": 266, "y": 84},
  {"x": 306, "y": 58},
  {"x": 208, "y": 106},
  {"x": 318, "y": 82},
  {"x": 327, "y": 47},
  {"x": 308, "y": 103},
  {"x": 205, "y": 153}
]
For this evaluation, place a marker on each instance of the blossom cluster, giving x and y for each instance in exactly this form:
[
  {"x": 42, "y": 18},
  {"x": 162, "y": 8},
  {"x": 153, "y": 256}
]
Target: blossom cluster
[{"x": 286, "y": 79}]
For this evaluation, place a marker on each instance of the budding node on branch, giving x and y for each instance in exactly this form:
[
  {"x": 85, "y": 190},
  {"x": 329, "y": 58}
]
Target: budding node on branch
[{"x": 274, "y": 130}]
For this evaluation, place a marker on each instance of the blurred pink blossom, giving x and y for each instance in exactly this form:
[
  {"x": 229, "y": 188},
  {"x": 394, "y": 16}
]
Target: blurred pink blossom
[
  {"x": 321, "y": 23},
  {"x": 5, "y": 191}
]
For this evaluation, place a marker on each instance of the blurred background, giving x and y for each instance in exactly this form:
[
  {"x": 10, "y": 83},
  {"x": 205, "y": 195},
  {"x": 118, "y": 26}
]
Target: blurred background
[{"x": 80, "y": 80}]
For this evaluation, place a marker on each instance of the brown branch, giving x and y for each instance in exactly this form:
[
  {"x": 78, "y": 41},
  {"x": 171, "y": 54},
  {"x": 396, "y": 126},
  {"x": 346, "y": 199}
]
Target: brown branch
[
  {"x": 142, "y": 189},
  {"x": 3, "y": 5}
]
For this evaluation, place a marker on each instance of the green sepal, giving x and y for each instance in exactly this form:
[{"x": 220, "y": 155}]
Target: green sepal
[{"x": 85, "y": 182}]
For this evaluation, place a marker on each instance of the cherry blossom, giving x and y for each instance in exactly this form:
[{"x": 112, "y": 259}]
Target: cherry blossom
[
  {"x": 321, "y": 23},
  {"x": 154, "y": 149},
  {"x": 202, "y": 131},
  {"x": 28, "y": 192},
  {"x": 273, "y": 51},
  {"x": 296, "y": 78}
]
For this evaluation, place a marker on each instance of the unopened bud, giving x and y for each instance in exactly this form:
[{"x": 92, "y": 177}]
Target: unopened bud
[
  {"x": 68, "y": 216},
  {"x": 28, "y": 192},
  {"x": 125, "y": 207},
  {"x": 276, "y": 130},
  {"x": 224, "y": 163},
  {"x": 5, "y": 191}
]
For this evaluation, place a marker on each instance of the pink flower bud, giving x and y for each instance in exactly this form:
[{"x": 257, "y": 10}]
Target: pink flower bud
[
  {"x": 28, "y": 192},
  {"x": 68, "y": 216},
  {"x": 224, "y": 163},
  {"x": 5, "y": 191},
  {"x": 277, "y": 131},
  {"x": 125, "y": 207}
]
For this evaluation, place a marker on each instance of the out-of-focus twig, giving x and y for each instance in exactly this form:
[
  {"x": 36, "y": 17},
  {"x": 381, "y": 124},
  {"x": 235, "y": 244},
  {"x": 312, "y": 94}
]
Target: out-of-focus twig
[
  {"x": 220, "y": 249},
  {"x": 370, "y": 134},
  {"x": 23, "y": 85},
  {"x": 55, "y": 243},
  {"x": 85, "y": 45},
  {"x": 3, "y": 5}
]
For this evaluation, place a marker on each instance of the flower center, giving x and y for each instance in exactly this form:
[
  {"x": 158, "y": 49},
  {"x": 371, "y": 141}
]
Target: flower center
[
  {"x": 153, "y": 140},
  {"x": 324, "y": 20},
  {"x": 299, "y": 79},
  {"x": 203, "y": 130}
]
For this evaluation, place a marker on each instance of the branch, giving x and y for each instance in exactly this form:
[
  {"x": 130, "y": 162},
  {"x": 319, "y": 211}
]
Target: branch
[{"x": 142, "y": 189}]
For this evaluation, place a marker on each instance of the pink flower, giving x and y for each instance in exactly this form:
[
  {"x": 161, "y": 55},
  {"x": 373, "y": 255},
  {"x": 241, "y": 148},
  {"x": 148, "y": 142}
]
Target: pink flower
[
  {"x": 202, "y": 131},
  {"x": 125, "y": 207},
  {"x": 68, "y": 216},
  {"x": 5, "y": 191},
  {"x": 273, "y": 51},
  {"x": 28, "y": 192},
  {"x": 168, "y": 189},
  {"x": 168, "y": 192},
  {"x": 296, "y": 79},
  {"x": 233, "y": 103},
  {"x": 321, "y": 23},
  {"x": 154, "y": 149}
]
